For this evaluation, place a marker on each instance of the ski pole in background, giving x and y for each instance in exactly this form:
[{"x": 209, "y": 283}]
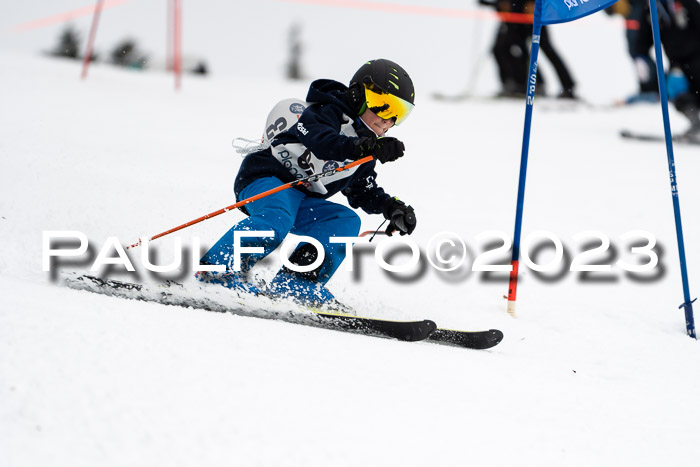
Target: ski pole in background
[
  {"x": 546, "y": 12},
  {"x": 688, "y": 303},
  {"x": 295, "y": 183}
]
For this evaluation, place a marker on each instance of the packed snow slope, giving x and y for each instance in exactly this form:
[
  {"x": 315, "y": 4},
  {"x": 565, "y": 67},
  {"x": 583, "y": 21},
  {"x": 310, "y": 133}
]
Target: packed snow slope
[{"x": 595, "y": 369}]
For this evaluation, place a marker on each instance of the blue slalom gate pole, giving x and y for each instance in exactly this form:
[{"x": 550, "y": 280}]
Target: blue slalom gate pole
[
  {"x": 530, "y": 101},
  {"x": 688, "y": 303}
]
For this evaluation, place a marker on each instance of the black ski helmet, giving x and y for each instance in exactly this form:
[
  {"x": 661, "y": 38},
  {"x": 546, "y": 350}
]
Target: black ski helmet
[{"x": 377, "y": 78}]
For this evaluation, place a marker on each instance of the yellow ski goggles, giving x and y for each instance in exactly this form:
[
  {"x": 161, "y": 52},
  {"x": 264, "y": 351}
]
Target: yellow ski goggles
[{"x": 385, "y": 105}]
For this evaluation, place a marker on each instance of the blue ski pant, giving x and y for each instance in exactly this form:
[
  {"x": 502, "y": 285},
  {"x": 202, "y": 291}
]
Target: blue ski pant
[{"x": 285, "y": 212}]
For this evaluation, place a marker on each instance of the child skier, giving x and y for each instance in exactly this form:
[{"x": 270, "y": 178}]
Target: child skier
[{"x": 340, "y": 125}]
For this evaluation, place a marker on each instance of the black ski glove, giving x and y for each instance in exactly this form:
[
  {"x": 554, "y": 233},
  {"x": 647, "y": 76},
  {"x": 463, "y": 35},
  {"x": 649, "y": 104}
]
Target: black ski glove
[
  {"x": 401, "y": 218},
  {"x": 364, "y": 146},
  {"x": 388, "y": 149}
]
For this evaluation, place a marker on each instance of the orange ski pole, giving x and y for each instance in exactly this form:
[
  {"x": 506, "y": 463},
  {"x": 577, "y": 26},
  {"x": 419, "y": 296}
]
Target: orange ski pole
[{"x": 301, "y": 181}]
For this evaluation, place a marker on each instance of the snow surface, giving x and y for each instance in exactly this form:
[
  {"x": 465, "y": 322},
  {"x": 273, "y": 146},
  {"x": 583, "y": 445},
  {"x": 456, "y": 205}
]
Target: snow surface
[{"x": 594, "y": 370}]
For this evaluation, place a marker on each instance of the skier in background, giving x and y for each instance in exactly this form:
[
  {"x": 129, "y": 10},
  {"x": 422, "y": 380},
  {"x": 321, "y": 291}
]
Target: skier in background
[
  {"x": 512, "y": 52},
  {"x": 679, "y": 22},
  {"x": 340, "y": 125},
  {"x": 639, "y": 43}
]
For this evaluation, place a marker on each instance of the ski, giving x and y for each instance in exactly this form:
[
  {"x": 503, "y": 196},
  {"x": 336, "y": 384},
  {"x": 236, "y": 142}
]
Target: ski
[
  {"x": 438, "y": 96},
  {"x": 410, "y": 331},
  {"x": 682, "y": 139},
  {"x": 543, "y": 103},
  {"x": 479, "y": 340},
  {"x": 224, "y": 301}
]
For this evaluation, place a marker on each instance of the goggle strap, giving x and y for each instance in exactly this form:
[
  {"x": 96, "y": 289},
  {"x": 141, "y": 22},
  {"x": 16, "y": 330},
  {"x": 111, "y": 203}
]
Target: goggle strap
[{"x": 363, "y": 108}]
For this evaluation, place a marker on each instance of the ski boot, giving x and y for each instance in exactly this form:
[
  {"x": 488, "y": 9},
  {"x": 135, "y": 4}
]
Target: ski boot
[
  {"x": 303, "y": 291},
  {"x": 229, "y": 279}
]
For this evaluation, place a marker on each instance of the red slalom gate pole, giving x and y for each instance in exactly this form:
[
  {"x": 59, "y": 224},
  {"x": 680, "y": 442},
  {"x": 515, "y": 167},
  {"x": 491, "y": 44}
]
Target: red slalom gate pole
[
  {"x": 169, "y": 36},
  {"x": 177, "y": 42},
  {"x": 91, "y": 39},
  {"x": 301, "y": 181}
]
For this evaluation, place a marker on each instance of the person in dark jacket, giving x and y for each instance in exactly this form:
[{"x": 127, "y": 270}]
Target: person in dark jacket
[
  {"x": 511, "y": 50},
  {"x": 640, "y": 41},
  {"x": 679, "y": 22},
  {"x": 339, "y": 125}
]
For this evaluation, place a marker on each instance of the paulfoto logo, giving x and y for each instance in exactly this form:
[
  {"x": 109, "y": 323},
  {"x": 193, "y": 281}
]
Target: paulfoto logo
[
  {"x": 75, "y": 245},
  {"x": 635, "y": 254}
]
